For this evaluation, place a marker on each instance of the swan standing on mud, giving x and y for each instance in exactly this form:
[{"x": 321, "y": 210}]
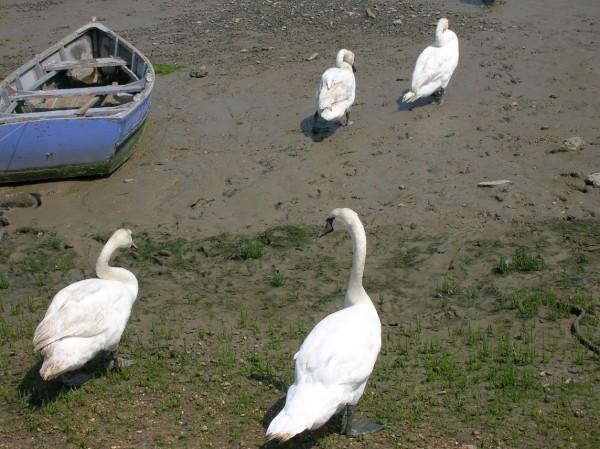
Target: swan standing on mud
[
  {"x": 336, "y": 90},
  {"x": 435, "y": 66},
  {"x": 87, "y": 317},
  {"x": 337, "y": 358}
]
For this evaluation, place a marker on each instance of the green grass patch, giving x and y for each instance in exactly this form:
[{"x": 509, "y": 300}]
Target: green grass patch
[
  {"x": 529, "y": 304},
  {"x": 523, "y": 261},
  {"x": 276, "y": 279},
  {"x": 165, "y": 69},
  {"x": 447, "y": 288},
  {"x": 4, "y": 284}
]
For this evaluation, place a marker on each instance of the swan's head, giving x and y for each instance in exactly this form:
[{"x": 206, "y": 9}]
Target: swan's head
[
  {"x": 122, "y": 238},
  {"x": 345, "y": 56},
  {"x": 442, "y": 24},
  {"x": 340, "y": 218},
  {"x": 443, "y": 35}
]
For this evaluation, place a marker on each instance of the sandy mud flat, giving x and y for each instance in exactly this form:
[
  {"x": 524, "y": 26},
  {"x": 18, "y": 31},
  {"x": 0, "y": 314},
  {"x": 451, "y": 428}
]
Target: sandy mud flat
[{"x": 226, "y": 191}]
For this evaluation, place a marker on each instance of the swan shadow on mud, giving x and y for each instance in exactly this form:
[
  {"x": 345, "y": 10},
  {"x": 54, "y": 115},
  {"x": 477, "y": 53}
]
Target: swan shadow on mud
[
  {"x": 325, "y": 128},
  {"x": 305, "y": 440},
  {"x": 38, "y": 392},
  {"x": 423, "y": 101},
  {"x": 479, "y": 2}
]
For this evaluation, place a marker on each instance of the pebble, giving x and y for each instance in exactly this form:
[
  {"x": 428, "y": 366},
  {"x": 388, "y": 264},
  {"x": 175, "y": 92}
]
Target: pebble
[
  {"x": 498, "y": 182},
  {"x": 313, "y": 56},
  {"x": 593, "y": 179},
  {"x": 572, "y": 144},
  {"x": 201, "y": 72},
  {"x": 370, "y": 13},
  {"x": 20, "y": 199}
]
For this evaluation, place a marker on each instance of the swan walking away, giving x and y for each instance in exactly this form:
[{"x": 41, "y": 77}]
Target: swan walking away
[
  {"x": 337, "y": 357},
  {"x": 435, "y": 66},
  {"x": 87, "y": 317},
  {"x": 336, "y": 90}
]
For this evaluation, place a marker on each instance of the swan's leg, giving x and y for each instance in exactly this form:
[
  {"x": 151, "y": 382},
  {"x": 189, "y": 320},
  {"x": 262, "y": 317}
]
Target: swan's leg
[
  {"x": 315, "y": 130},
  {"x": 347, "y": 118},
  {"x": 438, "y": 95},
  {"x": 355, "y": 427},
  {"x": 118, "y": 362},
  {"x": 76, "y": 379}
]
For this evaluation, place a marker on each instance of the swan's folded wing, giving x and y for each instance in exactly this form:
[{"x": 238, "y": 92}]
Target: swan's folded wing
[
  {"x": 429, "y": 67},
  {"x": 79, "y": 310},
  {"x": 341, "y": 349},
  {"x": 336, "y": 86}
]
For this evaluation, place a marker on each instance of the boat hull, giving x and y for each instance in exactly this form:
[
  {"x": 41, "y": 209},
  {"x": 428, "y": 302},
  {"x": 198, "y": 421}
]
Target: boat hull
[
  {"x": 69, "y": 148},
  {"x": 63, "y": 115}
]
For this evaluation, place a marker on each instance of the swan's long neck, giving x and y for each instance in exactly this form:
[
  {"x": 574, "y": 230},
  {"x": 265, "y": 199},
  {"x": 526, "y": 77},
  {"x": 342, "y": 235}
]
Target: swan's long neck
[
  {"x": 440, "y": 39},
  {"x": 340, "y": 63},
  {"x": 356, "y": 293},
  {"x": 105, "y": 271}
]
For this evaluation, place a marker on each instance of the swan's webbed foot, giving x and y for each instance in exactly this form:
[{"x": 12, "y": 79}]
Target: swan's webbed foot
[
  {"x": 118, "y": 363},
  {"x": 438, "y": 95},
  {"x": 315, "y": 128},
  {"x": 355, "y": 427},
  {"x": 74, "y": 380}
]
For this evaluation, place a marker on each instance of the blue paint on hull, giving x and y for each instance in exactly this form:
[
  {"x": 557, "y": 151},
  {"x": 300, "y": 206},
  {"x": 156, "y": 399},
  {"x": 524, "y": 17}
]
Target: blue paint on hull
[{"x": 47, "y": 144}]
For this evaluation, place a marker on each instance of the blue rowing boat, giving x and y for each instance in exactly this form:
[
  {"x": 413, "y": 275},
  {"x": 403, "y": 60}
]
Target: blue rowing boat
[{"x": 77, "y": 109}]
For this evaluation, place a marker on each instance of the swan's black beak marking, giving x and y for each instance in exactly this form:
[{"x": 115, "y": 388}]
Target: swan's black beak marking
[
  {"x": 353, "y": 68},
  {"x": 328, "y": 227}
]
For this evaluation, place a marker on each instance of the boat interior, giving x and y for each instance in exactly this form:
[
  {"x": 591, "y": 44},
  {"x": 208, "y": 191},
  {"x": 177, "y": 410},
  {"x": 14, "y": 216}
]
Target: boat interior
[{"x": 94, "y": 72}]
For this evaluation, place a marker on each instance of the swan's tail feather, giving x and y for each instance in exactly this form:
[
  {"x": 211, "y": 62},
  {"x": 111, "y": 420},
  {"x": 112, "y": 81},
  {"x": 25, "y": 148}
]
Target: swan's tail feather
[
  {"x": 283, "y": 427},
  {"x": 409, "y": 97},
  {"x": 51, "y": 369},
  {"x": 306, "y": 407}
]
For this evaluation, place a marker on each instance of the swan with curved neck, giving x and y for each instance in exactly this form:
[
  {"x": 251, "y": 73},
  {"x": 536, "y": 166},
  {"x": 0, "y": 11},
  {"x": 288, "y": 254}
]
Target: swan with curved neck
[
  {"x": 88, "y": 316},
  {"x": 337, "y": 357},
  {"x": 435, "y": 66},
  {"x": 336, "y": 90}
]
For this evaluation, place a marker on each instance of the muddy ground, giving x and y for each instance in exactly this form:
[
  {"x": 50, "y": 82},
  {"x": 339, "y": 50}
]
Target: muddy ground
[{"x": 472, "y": 355}]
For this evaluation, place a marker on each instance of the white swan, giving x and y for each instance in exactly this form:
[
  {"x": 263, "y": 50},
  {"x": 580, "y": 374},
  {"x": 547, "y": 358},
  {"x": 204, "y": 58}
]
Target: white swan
[
  {"x": 337, "y": 358},
  {"x": 435, "y": 65},
  {"x": 88, "y": 316},
  {"x": 336, "y": 90}
]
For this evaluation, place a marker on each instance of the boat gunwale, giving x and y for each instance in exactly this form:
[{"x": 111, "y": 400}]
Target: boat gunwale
[{"x": 148, "y": 78}]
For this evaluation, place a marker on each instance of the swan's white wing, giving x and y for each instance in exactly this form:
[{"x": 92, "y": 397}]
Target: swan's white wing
[
  {"x": 340, "y": 350},
  {"x": 428, "y": 68},
  {"x": 435, "y": 65},
  {"x": 82, "y": 309},
  {"x": 336, "y": 86}
]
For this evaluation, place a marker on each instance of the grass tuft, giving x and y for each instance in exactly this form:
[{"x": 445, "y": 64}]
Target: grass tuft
[
  {"x": 165, "y": 69},
  {"x": 4, "y": 284},
  {"x": 522, "y": 261}
]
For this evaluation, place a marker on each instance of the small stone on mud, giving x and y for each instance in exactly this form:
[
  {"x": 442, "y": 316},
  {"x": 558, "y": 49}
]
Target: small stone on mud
[
  {"x": 128, "y": 180},
  {"x": 370, "y": 13},
  {"x": 201, "y": 72},
  {"x": 571, "y": 144},
  {"x": 593, "y": 179},
  {"x": 312, "y": 57},
  {"x": 499, "y": 182},
  {"x": 20, "y": 199}
]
